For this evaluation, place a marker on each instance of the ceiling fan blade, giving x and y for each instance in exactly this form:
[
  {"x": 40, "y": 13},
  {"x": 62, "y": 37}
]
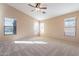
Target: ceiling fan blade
[
  {"x": 43, "y": 12},
  {"x": 31, "y": 5},
  {"x": 32, "y": 10},
  {"x": 37, "y": 5},
  {"x": 43, "y": 7}
]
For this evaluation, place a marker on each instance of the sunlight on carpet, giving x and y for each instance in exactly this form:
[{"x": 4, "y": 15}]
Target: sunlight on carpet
[{"x": 30, "y": 42}]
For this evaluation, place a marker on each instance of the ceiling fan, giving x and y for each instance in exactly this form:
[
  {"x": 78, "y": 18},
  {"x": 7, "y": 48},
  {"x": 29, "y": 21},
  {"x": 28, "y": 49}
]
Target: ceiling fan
[{"x": 38, "y": 7}]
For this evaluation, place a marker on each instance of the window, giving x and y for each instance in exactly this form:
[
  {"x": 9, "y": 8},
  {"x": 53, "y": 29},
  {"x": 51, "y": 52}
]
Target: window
[
  {"x": 9, "y": 26},
  {"x": 41, "y": 28},
  {"x": 69, "y": 26},
  {"x": 36, "y": 27}
]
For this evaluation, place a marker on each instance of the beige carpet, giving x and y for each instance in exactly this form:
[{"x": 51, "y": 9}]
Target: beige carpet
[{"x": 38, "y": 47}]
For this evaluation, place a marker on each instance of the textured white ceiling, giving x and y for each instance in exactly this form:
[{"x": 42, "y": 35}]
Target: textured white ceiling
[{"x": 53, "y": 9}]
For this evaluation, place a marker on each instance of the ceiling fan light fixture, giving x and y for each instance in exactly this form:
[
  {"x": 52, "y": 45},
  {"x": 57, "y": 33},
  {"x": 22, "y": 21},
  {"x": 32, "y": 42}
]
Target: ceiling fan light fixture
[{"x": 37, "y": 9}]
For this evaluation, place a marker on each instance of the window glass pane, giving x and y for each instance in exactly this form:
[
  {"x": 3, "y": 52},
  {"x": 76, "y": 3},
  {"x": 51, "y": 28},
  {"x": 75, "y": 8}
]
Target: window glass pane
[
  {"x": 8, "y": 30},
  {"x": 9, "y": 21},
  {"x": 69, "y": 22},
  {"x": 36, "y": 27},
  {"x": 10, "y": 26},
  {"x": 41, "y": 28},
  {"x": 69, "y": 31}
]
